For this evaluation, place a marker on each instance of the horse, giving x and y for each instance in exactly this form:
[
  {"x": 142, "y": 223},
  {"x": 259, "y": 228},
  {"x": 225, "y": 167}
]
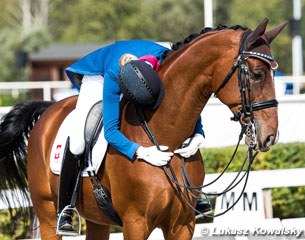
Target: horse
[{"x": 142, "y": 195}]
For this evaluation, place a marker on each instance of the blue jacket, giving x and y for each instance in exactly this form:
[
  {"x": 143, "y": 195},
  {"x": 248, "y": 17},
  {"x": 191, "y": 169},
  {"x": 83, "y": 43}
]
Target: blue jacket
[{"x": 105, "y": 62}]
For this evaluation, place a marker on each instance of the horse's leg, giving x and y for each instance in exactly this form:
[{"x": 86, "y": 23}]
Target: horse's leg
[
  {"x": 41, "y": 195},
  {"x": 135, "y": 228},
  {"x": 181, "y": 223},
  {"x": 43, "y": 185},
  {"x": 47, "y": 219},
  {"x": 40, "y": 178},
  {"x": 96, "y": 231},
  {"x": 182, "y": 232},
  {"x": 43, "y": 202}
]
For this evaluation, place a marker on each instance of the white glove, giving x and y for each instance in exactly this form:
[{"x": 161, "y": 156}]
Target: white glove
[
  {"x": 192, "y": 148},
  {"x": 153, "y": 156}
]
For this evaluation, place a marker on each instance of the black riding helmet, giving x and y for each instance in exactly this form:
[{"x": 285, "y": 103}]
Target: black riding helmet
[{"x": 141, "y": 85}]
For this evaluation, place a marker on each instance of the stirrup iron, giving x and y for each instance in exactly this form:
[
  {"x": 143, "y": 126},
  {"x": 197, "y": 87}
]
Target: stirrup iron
[{"x": 69, "y": 233}]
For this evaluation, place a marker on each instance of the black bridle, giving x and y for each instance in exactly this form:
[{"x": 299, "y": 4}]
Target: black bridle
[
  {"x": 246, "y": 117},
  {"x": 248, "y": 107}
]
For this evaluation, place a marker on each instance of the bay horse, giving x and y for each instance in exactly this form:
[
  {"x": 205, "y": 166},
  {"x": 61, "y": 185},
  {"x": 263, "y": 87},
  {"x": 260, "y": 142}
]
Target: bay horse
[{"x": 142, "y": 194}]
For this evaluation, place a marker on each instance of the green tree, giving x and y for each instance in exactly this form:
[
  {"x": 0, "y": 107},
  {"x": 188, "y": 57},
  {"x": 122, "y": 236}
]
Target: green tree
[
  {"x": 74, "y": 21},
  {"x": 277, "y": 11},
  {"x": 19, "y": 35},
  {"x": 99, "y": 21},
  {"x": 173, "y": 20},
  {"x": 167, "y": 20}
]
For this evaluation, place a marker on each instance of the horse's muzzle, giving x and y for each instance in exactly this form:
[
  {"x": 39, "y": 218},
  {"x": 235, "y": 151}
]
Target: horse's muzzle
[{"x": 270, "y": 140}]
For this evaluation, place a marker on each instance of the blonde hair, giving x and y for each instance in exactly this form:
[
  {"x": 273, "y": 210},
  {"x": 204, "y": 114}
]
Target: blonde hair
[{"x": 125, "y": 58}]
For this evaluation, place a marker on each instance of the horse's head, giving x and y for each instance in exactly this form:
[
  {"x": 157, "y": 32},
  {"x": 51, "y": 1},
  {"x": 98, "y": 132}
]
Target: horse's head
[{"x": 253, "y": 101}]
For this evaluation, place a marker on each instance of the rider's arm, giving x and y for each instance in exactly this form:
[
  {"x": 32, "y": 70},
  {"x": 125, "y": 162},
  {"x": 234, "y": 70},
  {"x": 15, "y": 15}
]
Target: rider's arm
[
  {"x": 199, "y": 127},
  {"x": 111, "y": 112}
]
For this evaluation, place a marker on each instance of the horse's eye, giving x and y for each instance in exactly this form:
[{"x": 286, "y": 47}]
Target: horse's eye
[{"x": 257, "y": 75}]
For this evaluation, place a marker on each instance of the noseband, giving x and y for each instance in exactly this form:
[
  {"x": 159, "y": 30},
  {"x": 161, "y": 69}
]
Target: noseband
[{"x": 245, "y": 113}]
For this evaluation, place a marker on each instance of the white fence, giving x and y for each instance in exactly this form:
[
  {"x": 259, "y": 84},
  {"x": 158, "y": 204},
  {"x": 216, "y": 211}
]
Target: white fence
[
  {"x": 220, "y": 131},
  {"x": 62, "y": 89},
  {"x": 14, "y": 87},
  {"x": 289, "y": 84},
  {"x": 283, "y": 85}
]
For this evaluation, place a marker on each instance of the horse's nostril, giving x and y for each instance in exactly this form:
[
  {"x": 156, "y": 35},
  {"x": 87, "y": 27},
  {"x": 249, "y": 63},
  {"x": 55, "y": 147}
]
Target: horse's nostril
[{"x": 270, "y": 140}]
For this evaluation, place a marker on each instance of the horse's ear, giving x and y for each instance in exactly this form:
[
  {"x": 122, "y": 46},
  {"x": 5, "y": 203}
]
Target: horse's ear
[
  {"x": 271, "y": 34},
  {"x": 258, "y": 32}
]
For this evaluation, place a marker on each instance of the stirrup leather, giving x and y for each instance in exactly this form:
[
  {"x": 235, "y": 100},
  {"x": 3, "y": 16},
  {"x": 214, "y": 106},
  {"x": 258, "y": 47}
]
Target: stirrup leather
[{"x": 69, "y": 233}]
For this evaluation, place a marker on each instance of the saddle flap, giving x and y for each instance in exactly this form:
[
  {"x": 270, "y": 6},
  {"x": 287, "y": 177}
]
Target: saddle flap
[
  {"x": 97, "y": 152},
  {"x": 94, "y": 123}
]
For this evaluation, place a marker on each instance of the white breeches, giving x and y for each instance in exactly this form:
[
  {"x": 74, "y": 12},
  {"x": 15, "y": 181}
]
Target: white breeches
[{"x": 91, "y": 91}]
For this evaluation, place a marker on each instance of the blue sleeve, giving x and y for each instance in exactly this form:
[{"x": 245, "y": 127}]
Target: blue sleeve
[
  {"x": 111, "y": 116},
  {"x": 199, "y": 127}
]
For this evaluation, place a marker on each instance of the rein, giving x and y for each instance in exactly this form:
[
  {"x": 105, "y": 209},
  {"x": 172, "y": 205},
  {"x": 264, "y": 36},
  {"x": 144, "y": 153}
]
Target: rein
[
  {"x": 246, "y": 117},
  {"x": 187, "y": 184}
]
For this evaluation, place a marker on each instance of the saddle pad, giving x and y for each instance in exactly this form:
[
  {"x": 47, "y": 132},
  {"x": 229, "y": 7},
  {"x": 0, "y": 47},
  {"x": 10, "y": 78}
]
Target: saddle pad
[{"x": 98, "y": 151}]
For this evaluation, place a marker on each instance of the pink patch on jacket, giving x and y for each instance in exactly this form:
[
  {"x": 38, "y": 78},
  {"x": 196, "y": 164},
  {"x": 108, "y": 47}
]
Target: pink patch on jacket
[{"x": 151, "y": 60}]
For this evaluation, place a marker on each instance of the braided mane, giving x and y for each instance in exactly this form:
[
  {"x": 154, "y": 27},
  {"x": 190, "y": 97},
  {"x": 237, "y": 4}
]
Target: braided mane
[{"x": 193, "y": 36}]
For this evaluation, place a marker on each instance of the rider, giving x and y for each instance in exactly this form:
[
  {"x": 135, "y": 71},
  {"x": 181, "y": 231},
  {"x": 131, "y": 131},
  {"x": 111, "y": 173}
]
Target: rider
[{"x": 96, "y": 76}]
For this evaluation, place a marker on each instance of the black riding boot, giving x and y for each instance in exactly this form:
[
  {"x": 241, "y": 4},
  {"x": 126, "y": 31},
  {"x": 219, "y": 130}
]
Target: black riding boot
[
  {"x": 203, "y": 207},
  {"x": 67, "y": 179}
]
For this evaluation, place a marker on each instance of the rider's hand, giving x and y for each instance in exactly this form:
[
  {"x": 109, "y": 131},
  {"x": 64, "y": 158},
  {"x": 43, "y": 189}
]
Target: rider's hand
[
  {"x": 192, "y": 147},
  {"x": 154, "y": 156}
]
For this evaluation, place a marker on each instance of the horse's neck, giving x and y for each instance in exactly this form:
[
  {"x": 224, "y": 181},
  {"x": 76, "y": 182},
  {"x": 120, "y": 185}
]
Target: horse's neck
[{"x": 187, "y": 77}]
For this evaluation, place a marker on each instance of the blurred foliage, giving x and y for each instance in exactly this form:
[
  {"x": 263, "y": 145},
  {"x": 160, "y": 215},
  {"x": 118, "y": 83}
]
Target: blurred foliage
[
  {"x": 286, "y": 202},
  {"x": 277, "y": 11},
  {"x": 109, "y": 20},
  {"x": 8, "y": 100},
  {"x": 14, "y": 36},
  {"x": 11, "y": 227},
  {"x": 280, "y": 156},
  {"x": 166, "y": 20},
  {"x": 96, "y": 21}
]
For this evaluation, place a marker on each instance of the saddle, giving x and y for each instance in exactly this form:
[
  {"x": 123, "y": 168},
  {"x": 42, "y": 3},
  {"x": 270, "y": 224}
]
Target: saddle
[{"x": 93, "y": 127}]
